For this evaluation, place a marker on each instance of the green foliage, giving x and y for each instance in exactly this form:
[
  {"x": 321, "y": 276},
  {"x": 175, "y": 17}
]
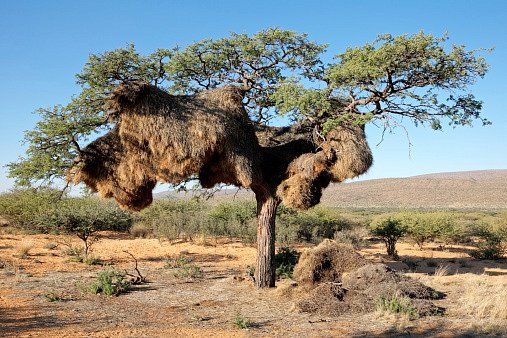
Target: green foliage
[
  {"x": 52, "y": 297},
  {"x": 491, "y": 242},
  {"x": 30, "y": 209},
  {"x": 398, "y": 305},
  {"x": 311, "y": 226},
  {"x": 46, "y": 210},
  {"x": 424, "y": 227},
  {"x": 234, "y": 220},
  {"x": 390, "y": 229},
  {"x": 406, "y": 76},
  {"x": 281, "y": 72},
  {"x": 285, "y": 261},
  {"x": 109, "y": 282},
  {"x": 62, "y": 130},
  {"x": 174, "y": 219},
  {"x": 184, "y": 268},
  {"x": 241, "y": 322}
]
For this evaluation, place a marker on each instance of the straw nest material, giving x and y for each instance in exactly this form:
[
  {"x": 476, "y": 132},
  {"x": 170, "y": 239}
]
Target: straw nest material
[
  {"x": 169, "y": 138},
  {"x": 326, "y": 263},
  {"x": 162, "y": 137},
  {"x": 344, "y": 154},
  {"x": 333, "y": 280}
]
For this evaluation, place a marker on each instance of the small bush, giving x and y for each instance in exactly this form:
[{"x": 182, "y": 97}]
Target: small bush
[
  {"x": 235, "y": 220},
  {"x": 285, "y": 261},
  {"x": 184, "y": 268},
  {"x": 313, "y": 225},
  {"x": 354, "y": 236},
  {"x": 174, "y": 219},
  {"x": 110, "y": 283},
  {"x": 425, "y": 227},
  {"x": 50, "y": 245},
  {"x": 441, "y": 270},
  {"x": 398, "y": 305},
  {"x": 390, "y": 229},
  {"x": 52, "y": 297},
  {"x": 241, "y": 322},
  {"x": 490, "y": 243}
]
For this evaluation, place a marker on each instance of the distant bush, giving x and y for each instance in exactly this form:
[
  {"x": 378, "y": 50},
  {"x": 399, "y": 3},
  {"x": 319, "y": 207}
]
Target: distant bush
[
  {"x": 236, "y": 220},
  {"x": 30, "y": 209},
  {"x": 390, "y": 229},
  {"x": 490, "y": 242},
  {"x": 173, "y": 219},
  {"x": 397, "y": 305},
  {"x": 83, "y": 217},
  {"x": 47, "y": 210},
  {"x": 140, "y": 230},
  {"x": 313, "y": 225},
  {"x": 425, "y": 227}
]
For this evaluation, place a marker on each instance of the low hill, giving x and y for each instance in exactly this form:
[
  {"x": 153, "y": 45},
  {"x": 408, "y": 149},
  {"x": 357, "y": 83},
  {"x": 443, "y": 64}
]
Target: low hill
[{"x": 482, "y": 189}]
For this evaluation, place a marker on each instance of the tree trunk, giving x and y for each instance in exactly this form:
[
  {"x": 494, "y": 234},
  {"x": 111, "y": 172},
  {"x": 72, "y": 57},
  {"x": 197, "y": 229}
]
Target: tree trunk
[{"x": 267, "y": 203}]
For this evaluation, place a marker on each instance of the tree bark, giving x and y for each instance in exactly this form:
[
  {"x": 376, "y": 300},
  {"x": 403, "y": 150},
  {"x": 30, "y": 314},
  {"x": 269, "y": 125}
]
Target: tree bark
[{"x": 267, "y": 203}]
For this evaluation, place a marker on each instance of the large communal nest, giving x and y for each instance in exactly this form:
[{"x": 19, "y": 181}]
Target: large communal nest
[
  {"x": 160, "y": 137},
  {"x": 344, "y": 154},
  {"x": 333, "y": 279},
  {"x": 168, "y": 138}
]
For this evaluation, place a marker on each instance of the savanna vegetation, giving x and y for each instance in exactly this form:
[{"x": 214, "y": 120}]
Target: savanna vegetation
[
  {"x": 47, "y": 211},
  {"x": 204, "y": 113}
]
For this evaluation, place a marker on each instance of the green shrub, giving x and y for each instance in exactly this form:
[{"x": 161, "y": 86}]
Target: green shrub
[
  {"x": 184, "y": 268},
  {"x": 235, "y": 220},
  {"x": 140, "y": 230},
  {"x": 490, "y": 242},
  {"x": 241, "y": 322},
  {"x": 425, "y": 227},
  {"x": 30, "y": 209},
  {"x": 285, "y": 261},
  {"x": 311, "y": 226},
  {"x": 397, "y": 304},
  {"x": 173, "y": 219},
  {"x": 52, "y": 297},
  {"x": 109, "y": 282},
  {"x": 390, "y": 229}
]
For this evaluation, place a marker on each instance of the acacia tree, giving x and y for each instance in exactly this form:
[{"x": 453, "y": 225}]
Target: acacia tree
[{"x": 279, "y": 72}]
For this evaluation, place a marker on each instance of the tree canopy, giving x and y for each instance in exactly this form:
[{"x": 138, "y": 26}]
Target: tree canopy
[{"x": 416, "y": 77}]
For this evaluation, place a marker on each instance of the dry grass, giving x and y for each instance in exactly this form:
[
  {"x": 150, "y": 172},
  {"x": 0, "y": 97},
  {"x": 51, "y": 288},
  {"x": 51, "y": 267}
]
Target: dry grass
[
  {"x": 140, "y": 230},
  {"x": 23, "y": 249},
  {"x": 442, "y": 270},
  {"x": 483, "y": 298}
]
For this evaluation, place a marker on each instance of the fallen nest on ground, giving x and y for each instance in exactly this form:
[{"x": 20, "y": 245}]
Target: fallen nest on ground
[{"x": 333, "y": 279}]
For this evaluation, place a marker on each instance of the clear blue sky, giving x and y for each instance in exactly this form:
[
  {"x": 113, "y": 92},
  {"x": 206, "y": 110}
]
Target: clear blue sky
[{"x": 43, "y": 44}]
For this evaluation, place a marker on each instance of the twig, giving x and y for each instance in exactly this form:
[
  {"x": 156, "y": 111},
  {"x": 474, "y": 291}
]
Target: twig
[{"x": 139, "y": 278}]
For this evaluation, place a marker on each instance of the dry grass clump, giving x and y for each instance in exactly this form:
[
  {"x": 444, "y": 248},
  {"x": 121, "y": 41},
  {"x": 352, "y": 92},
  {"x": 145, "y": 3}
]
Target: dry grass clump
[
  {"x": 23, "y": 249},
  {"x": 4, "y": 222},
  {"x": 141, "y": 230},
  {"x": 482, "y": 299},
  {"x": 163, "y": 137},
  {"x": 378, "y": 280},
  {"x": 326, "y": 263},
  {"x": 335, "y": 279}
]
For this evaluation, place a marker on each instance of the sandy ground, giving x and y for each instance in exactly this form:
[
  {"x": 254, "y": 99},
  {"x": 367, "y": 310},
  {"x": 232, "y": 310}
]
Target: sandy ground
[{"x": 171, "y": 306}]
